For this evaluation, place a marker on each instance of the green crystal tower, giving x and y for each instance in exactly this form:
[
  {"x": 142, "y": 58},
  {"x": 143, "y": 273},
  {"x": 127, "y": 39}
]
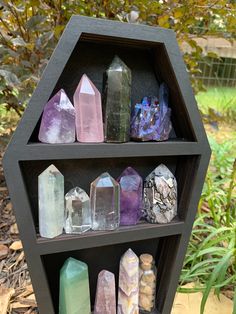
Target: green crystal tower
[
  {"x": 74, "y": 288},
  {"x": 117, "y": 101}
]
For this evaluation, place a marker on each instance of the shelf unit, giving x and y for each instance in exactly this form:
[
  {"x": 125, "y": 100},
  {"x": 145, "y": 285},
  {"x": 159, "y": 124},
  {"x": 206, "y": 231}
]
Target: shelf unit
[{"x": 88, "y": 46}]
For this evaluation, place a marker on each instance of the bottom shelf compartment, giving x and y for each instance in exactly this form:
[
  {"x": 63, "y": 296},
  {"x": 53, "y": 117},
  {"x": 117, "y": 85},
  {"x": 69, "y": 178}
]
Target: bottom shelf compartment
[{"x": 108, "y": 257}]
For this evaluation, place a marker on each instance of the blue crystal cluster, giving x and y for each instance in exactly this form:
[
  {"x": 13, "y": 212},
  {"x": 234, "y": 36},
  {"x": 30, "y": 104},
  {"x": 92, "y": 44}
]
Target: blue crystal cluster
[{"x": 151, "y": 119}]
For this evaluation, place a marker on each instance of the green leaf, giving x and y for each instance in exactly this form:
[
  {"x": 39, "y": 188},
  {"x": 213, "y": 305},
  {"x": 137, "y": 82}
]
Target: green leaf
[{"x": 220, "y": 266}]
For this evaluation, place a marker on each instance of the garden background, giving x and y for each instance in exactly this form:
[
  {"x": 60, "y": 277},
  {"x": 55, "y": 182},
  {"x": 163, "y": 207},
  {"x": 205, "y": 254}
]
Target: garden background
[{"x": 206, "y": 32}]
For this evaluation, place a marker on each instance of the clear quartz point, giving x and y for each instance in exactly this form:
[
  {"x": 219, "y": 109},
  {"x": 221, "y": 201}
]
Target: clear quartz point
[
  {"x": 105, "y": 203},
  {"x": 77, "y": 211}
]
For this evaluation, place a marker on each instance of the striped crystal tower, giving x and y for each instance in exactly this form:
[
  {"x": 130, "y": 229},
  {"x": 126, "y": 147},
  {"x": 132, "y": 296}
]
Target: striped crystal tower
[
  {"x": 128, "y": 293},
  {"x": 51, "y": 202},
  {"x": 88, "y": 112}
]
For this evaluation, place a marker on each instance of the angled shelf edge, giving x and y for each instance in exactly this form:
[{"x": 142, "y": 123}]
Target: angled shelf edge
[
  {"x": 40, "y": 151},
  {"x": 141, "y": 231}
]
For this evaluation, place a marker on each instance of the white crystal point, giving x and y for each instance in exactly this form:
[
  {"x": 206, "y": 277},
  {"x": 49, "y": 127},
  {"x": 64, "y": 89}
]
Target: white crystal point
[
  {"x": 105, "y": 203},
  {"x": 160, "y": 195},
  {"x": 77, "y": 211},
  {"x": 51, "y": 202}
]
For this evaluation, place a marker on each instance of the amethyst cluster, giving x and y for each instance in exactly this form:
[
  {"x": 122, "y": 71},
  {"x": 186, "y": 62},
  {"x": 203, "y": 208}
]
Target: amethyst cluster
[{"x": 151, "y": 119}]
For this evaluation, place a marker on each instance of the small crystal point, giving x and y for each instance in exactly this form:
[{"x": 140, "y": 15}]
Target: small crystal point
[
  {"x": 105, "y": 203},
  {"x": 51, "y": 202},
  {"x": 117, "y": 101},
  {"x": 58, "y": 120},
  {"x": 74, "y": 288},
  {"x": 131, "y": 189},
  {"x": 87, "y": 100},
  {"x": 105, "y": 302},
  {"x": 128, "y": 292},
  {"x": 160, "y": 195},
  {"x": 77, "y": 211}
]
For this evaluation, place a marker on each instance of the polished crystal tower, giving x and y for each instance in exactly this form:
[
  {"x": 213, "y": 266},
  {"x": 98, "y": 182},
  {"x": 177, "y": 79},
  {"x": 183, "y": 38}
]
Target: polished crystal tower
[
  {"x": 131, "y": 190},
  {"x": 58, "y": 120},
  {"x": 74, "y": 288},
  {"x": 105, "y": 203},
  {"x": 160, "y": 195},
  {"x": 105, "y": 302},
  {"x": 87, "y": 101},
  {"x": 128, "y": 292},
  {"x": 77, "y": 211},
  {"x": 117, "y": 101},
  {"x": 51, "y": 202}
]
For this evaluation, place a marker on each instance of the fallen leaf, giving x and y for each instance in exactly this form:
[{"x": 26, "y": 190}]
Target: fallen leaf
[
  {"x": 5, "y": 296},
  {"x": 14, "y": 229},
  {"x": 17, "y": 245},
  {"x": 3, "y": 251},
  {"x": 9, "y": 206}
]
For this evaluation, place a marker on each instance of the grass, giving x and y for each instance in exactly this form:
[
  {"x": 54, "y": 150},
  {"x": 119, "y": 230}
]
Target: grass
[{"x": 221, "y": 99}]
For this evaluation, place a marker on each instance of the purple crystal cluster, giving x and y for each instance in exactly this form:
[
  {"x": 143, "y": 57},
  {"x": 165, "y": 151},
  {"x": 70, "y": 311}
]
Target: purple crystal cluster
[{"x": 151, "y": 119}]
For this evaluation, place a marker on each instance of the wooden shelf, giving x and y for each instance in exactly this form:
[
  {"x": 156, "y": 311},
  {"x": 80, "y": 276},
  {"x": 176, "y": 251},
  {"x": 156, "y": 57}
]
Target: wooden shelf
[
  {"x": 41, "y": 151},
  {"x": 141, "y": 231}
]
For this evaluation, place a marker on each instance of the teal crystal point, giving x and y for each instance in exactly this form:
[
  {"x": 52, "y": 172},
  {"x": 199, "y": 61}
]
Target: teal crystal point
[{"x": 74, "y": 288}]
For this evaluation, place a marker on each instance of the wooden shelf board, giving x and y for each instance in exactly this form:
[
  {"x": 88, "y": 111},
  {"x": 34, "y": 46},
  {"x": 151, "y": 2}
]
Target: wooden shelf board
[
  {"x": 141, "y": 231},
  {"x": 41, "y": 151}
]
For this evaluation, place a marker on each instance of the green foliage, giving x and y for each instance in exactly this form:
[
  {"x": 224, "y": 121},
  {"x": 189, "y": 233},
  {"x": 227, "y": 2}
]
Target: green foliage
[
  {"x": 29, "y": 31},
  {"x": 211, "y": 256}
]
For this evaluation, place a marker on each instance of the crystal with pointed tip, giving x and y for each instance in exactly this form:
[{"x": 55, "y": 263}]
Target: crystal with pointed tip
[
  {"x": 58, "y": 120},
  {"x": 105, "y": 301},
  {"x": 131, "y": 190},
  {"x": 77, "y": 211},
  {"x": 88, "y": 120},
  {"x": 160, "y": 195},
  {"x": 105, "y": 203},
  {"x": 151, "y": 119},
  {"x": 51, "y": 202},
  {"x": 117, "y": 101},
  {"x": 74, "y": 288},
  {"x": 128, "y": 292}
]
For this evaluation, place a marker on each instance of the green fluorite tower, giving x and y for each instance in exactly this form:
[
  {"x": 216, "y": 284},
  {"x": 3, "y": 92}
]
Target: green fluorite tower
[
  {"x": 117, "y": 101},
  {"x": 74, "y": 288}
]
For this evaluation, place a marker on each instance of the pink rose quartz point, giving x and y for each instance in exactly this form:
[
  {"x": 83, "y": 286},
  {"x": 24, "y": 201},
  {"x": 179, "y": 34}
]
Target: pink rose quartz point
[
  {"x": 88, "y": 110},
  {"x": 58, "y": 120},
  {"x": 128, "y": 292},
  {"x": 105, "y": 302}
]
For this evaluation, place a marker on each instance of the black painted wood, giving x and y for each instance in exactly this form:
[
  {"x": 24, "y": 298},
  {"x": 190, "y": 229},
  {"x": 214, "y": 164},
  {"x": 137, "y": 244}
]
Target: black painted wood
[{"x": 88, "y": 45}]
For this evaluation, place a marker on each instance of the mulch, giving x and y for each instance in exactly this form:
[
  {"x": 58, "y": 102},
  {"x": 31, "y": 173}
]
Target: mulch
[{"x": 16, "y": 291}]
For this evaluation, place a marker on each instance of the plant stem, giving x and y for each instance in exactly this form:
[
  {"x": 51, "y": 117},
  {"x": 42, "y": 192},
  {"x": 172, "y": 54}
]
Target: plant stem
[{"x": 229, "y": 195}]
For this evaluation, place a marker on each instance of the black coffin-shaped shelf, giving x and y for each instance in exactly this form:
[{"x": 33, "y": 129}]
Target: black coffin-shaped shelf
[{"x": 88, "y": 46}]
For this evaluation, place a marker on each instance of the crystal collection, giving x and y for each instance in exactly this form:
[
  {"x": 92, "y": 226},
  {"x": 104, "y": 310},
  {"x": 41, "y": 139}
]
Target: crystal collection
[
  {"x": 88, "y": 120},
  {"x": 136, "y": 287},
  {"x": 111, "y": 203}
]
